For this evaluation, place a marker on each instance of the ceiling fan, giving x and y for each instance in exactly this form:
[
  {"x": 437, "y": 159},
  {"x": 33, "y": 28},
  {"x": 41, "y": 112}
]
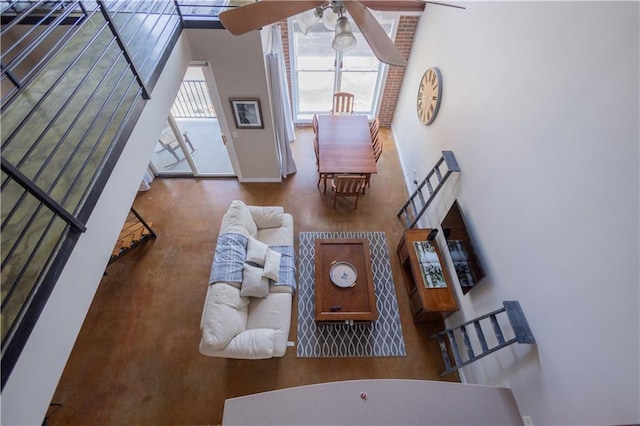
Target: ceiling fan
[{"x": 255, "y": 15}]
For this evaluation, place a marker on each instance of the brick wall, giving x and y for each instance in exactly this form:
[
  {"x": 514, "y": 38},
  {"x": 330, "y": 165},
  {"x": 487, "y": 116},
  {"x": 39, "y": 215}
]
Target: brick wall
[
  {"x": 404, "y": 42},
  {"x": 285, "y": 43}
]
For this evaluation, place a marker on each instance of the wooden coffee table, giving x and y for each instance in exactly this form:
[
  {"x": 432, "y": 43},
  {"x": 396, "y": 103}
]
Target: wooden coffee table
[{"x": 334, "y": 302}]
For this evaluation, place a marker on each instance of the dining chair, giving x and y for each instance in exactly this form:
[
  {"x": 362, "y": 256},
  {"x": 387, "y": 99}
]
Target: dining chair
[
  {"x": 377, "y": 147},
  {"x": 342, "y": 103},
  {"x": 347, "y": 186},
  {"x": 324, "y": 177},
  {"x": 316, "y": 149},
  {"x": 321, "y": 176},
  {"x": 376, "y": 144},
  {"x": 374, "y": 126}
]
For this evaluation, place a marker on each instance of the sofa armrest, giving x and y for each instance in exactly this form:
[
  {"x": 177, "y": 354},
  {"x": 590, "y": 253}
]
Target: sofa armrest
[{"x": 256, "y": 343}]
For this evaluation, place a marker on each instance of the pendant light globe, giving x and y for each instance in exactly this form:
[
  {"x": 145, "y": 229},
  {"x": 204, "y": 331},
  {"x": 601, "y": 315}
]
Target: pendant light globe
[{"x": 344, "y": 39}]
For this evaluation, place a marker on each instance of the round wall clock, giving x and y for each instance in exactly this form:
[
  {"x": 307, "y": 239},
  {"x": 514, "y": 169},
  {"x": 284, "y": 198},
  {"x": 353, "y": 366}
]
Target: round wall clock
[{"x": 429, "y": 94}]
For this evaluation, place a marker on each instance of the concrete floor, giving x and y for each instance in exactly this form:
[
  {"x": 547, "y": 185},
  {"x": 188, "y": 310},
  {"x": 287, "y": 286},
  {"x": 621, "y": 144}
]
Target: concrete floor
[{"x": 136, "y": 359}]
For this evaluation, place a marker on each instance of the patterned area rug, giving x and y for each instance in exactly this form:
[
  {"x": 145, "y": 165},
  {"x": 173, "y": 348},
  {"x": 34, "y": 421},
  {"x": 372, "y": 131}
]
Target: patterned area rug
[{"x": 380, "y": 338}]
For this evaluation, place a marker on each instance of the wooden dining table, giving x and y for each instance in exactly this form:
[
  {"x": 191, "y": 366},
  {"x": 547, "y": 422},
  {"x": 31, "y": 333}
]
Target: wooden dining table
[{"x": 344, "y": 146}]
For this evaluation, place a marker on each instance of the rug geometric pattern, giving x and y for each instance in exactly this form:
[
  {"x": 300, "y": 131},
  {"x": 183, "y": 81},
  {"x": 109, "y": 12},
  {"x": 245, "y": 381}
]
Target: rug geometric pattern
[{"x": 382, "y": 337}]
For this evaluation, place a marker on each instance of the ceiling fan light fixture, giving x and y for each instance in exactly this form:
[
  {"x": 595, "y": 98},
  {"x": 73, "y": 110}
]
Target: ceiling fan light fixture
[
  {"x": 329, "y": 19},
  {"x": 344, "y": 39},
  {"x": 307, "y": 20}
]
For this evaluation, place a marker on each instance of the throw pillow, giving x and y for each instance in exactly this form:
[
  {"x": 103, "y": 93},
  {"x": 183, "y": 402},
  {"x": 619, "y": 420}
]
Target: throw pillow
[
  {"x": 253, "y": 283},
  {"x": 239, "y": 215},
  {"x": 272, "y": 265},
  {"x": 256, "y": 251},
  {"x": 267, "y": 216}
]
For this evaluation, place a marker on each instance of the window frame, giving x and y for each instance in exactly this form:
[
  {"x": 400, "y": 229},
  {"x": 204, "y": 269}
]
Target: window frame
[{"x": 382, "y": 70}]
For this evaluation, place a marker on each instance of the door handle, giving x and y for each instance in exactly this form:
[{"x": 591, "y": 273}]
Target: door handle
[{"x": 224, "y": 139}]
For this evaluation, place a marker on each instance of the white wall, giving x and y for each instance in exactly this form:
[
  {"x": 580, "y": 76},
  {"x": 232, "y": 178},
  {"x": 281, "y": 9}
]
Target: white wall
[
  {"x": 28, "y": 392},
  {"x": 540, "y": 106},
  {"x": 238, "y": 65}
]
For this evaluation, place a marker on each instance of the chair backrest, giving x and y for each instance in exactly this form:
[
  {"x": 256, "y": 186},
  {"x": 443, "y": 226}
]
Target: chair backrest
[
  {"x": 348, "y": 184},
  {"x": 316, "y": 148},
  {"x": 377, "y": 148},
  {"x": 374, "y": 126},
  {"x": 314, "y": 123},
  {"x": 342, "y": 103},
  {"x": 167, "y": 136}
]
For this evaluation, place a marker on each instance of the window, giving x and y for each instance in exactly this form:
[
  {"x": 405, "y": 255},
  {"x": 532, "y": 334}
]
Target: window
[{"x": 318, "y": 71}]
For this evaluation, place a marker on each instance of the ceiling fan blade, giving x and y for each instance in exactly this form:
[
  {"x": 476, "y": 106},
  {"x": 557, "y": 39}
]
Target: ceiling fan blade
[
  {"x": 375, "y": 35},
  {"x": 403, "y": 5},
  {"x": 437, "y": 3},
  {"x": 256, "y": 15},
  {"x": 394, "y": 5}
]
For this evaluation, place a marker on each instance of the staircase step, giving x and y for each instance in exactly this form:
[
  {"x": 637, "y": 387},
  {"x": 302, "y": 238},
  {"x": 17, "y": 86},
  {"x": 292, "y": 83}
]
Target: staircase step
[
  {"x": 480, "y": 334},
  {"x": 454, "y": 347},
  {"x": 438, "y": 174},
  {"x": 429, "y": 188},
  {"x": 131, "y": 234},
  {"x": 417, "y": 199},
  {"x": 518, "y": 322},
  {"x": 444, "y": 352},
  {"x": 496, "y": 329},
  {"x": 450, "y": 160},
  {"x": 467, "y": 342}
]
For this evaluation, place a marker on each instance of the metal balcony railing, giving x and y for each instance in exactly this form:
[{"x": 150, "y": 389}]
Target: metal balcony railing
[
  {"x": 193, "y": 101},
  {"x": 74, "y": 79},
  {"x": 203, "y": 10}
]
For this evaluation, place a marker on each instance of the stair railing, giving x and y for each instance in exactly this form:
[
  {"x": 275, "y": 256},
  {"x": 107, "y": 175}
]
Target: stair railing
[
  {"x": 417, "y": 204},
  {"x": 449, "y": 338},
  {"x": 72, "y": 98},
  {"x": 15, "y": 54},
  {"x": 135, "y": 232},
  {"x": 123, "y": 47}
]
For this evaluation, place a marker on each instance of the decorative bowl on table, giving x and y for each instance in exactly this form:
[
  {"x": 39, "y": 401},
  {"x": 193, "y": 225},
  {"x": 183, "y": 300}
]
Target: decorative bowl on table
[{"x": 343, "y": 274}]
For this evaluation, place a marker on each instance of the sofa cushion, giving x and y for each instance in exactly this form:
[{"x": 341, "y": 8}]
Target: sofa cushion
[
  {"x": 282, "y": 236},
  {"x": 273, "y": 312},
  {"x": 224, "y": 315},
  {"x": 267, "y": 216},
  {"x": 252, "y": 344},
  {"x": 253, "y": 283},
  {"x": 272, "y": 265},
  {"x": 256, "y": 251},
  {"x": 238, "y": 219}
]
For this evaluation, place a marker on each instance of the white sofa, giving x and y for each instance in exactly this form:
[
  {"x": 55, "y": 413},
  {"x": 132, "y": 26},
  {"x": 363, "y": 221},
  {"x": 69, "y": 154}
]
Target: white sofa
[{"x": 235, "y": 325}]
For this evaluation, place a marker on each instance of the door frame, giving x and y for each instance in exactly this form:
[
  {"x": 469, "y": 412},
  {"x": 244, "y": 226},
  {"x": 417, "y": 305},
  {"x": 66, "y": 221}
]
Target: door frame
[{"x": 213, "y": 92}]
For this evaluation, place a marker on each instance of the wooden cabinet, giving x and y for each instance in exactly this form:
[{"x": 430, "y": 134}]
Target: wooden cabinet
[{"x": 428, "y": 281}]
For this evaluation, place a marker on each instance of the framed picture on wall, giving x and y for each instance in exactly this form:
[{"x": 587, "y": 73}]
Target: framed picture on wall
[{"x": 247, "y": 113}]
